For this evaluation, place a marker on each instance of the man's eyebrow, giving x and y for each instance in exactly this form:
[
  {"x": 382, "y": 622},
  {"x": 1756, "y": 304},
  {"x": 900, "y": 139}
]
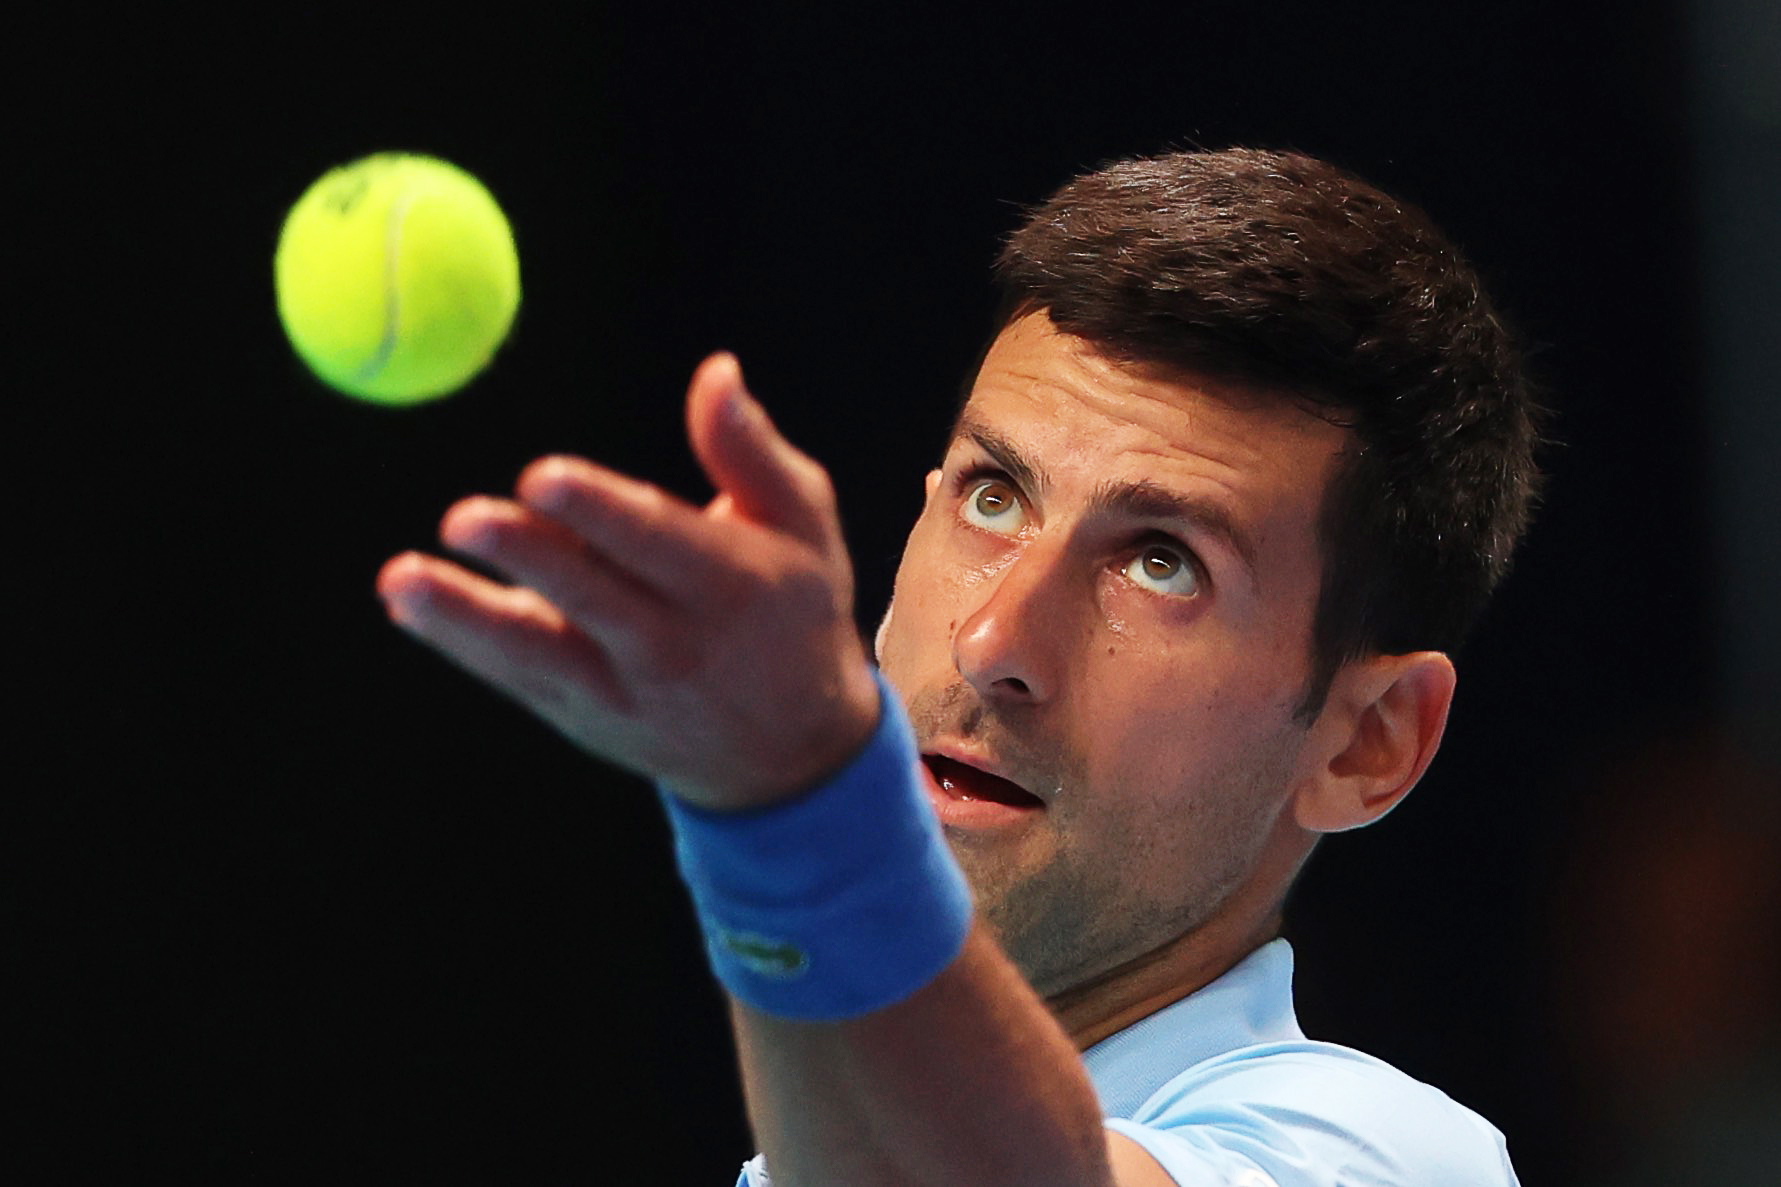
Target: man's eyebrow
[
  {"x": 1004, "y": 453},
  {"x": 1136, "y": 500},
  {"x": 1149, "y": 500}
]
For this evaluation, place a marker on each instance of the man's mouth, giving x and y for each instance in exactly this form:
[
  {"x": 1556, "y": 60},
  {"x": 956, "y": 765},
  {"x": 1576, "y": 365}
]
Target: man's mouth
[{"x": 961, "y": 782}]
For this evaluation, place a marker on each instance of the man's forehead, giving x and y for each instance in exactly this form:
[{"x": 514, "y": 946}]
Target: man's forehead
[
  {"x": 1032, "y": 356},
  {"x": 1252, "y": 462},
  {"x": 1054, "y": 388}
]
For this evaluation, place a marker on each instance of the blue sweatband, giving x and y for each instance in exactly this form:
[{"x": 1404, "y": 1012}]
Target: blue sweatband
[{"x": 838, "y": 903}]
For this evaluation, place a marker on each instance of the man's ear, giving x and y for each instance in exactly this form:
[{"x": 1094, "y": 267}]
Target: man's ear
[{"x": 1380, "y": 726}]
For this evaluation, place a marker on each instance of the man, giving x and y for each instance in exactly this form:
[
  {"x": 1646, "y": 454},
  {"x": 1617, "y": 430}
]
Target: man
[{"x": 1242, "y": 462}]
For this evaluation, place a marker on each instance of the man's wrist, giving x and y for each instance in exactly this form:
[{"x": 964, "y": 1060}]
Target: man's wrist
[
  {"x": 836, "y": 738},
  {"x": 836, "y": 903}
]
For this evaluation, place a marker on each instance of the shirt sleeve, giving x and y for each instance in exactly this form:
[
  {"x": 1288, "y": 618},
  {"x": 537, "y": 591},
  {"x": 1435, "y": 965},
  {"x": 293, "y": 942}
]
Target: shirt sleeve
[{"x": 1309, "y": 1120}]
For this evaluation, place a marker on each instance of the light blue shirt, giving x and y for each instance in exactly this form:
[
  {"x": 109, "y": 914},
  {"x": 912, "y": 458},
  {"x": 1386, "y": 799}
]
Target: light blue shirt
[{"x": 1224, "y": 1090}]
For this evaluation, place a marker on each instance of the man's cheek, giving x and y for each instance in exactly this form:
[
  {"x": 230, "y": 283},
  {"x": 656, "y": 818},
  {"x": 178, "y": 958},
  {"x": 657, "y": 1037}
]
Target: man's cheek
[{"x": 883, "y": 630}]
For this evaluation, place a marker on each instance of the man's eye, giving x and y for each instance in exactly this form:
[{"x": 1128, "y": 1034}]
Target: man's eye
[
  {"x": 994, "y": 506},
  {"x": 1165, "y": 571}
]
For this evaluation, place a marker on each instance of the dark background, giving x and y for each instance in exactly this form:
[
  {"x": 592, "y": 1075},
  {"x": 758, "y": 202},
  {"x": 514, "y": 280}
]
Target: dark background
[{"x": 309, "y": 904}]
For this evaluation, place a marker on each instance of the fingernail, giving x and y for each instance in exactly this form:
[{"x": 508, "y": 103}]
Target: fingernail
[
  {"x": 735, "y": 369},
  {"x": 740, "y": 408}
]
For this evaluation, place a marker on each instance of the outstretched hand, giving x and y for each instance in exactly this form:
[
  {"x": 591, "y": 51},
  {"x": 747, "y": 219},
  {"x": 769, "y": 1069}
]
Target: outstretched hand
[{"x": 712, "y": 648}]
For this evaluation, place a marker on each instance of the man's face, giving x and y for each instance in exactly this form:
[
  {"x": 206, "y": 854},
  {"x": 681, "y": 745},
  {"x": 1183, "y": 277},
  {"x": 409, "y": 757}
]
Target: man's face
[{"x": 1107, "y": 602}]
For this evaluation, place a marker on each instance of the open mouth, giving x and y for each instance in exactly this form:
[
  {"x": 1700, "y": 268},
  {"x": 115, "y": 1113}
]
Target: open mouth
[{"x": 961, "y": 782}]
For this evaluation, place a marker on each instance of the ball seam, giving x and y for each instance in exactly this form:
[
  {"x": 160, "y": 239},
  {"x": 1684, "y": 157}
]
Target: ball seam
[{"x": 392, "y": 292}]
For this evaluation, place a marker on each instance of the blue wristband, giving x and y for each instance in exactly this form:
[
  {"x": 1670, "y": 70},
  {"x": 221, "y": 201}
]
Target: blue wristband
[{"x": 839, "y": 903}]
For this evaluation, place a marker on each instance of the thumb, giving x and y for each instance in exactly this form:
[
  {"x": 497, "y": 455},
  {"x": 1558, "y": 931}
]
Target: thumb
[{"x": 767, "y": 479}]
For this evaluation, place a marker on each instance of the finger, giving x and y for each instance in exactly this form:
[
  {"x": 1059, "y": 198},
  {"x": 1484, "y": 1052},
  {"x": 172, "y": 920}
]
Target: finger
[
  {"x": 767, "y": 479},
  {"x": 512, "y": 638},
  {"x": 655, "y": 539},
  {"x": 624, "y": 617}
]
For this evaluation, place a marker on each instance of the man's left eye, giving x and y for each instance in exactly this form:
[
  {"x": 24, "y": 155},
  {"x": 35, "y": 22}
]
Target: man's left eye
[{"x": 1165, "y": 571}]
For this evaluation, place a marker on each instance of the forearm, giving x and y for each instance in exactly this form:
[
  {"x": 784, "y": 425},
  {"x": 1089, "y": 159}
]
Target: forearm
[{"x": 971, "y": 1080}]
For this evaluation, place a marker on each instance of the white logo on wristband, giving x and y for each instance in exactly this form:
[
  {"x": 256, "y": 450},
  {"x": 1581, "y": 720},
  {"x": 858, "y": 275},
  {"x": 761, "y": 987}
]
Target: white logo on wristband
[{"x": 763, "y": 954}]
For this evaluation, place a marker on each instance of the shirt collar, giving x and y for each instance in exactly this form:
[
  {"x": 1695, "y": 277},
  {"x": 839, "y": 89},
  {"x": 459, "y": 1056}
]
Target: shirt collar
[{"x": 1250, "y": 1004}]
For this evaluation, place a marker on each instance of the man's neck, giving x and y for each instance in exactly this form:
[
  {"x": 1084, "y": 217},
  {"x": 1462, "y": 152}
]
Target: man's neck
[
  {"x": 1116, "y": 999},
  {"x": 1158, "y": 979}
]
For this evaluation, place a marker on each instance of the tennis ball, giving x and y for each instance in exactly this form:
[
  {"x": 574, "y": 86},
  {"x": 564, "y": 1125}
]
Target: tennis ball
[{"x": 396, "y": 278}]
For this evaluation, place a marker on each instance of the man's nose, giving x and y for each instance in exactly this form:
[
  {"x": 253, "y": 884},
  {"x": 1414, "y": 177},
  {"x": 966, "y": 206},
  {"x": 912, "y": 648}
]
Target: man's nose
[{"x": 1009, "y": 646}]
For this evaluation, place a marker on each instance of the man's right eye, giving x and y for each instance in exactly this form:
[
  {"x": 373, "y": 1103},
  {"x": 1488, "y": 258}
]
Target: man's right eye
[{"x": 994, "y": 506}]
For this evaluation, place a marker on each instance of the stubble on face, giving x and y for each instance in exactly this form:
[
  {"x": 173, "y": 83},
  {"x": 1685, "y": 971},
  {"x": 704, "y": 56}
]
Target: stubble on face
[{"x": 1066, "y": 912}]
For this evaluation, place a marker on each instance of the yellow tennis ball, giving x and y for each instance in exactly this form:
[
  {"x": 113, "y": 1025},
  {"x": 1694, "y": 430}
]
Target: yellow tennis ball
[{"x": 396, "y": 278}]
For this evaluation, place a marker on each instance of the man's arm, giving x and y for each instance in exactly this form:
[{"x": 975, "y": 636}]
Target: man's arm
[
  {"x": 714, "y": 650},
  {"x": 969, "y": 1081}
]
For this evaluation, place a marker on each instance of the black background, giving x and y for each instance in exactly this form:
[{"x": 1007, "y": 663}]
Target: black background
[{"x": 310, "y": 904}]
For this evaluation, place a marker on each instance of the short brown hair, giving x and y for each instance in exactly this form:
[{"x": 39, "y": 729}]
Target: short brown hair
[{"x": 1283, "y": 270}]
